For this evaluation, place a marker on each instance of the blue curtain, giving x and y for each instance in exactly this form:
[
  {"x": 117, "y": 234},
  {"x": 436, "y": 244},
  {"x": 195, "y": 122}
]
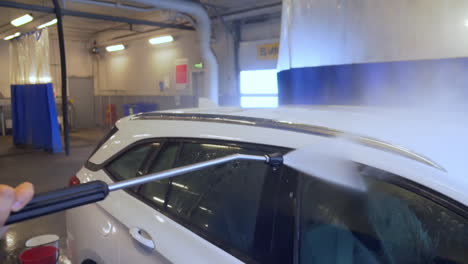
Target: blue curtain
[
  {"x": 382, "y": 83},
  {"x": 35, "y": 117}
]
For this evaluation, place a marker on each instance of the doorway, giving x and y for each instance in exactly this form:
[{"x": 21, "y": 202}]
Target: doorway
[{"x": 82, "y": 106}]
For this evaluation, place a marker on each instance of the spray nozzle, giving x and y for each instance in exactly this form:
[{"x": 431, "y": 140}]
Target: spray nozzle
[{"x": 275, "y": 159}]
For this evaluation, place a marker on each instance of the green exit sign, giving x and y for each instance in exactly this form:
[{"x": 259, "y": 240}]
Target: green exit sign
[{"x": 198, "y": 65}]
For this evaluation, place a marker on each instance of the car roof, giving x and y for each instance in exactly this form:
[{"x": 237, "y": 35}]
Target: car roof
[
  {"x": 399, "y": 127},
  {"x": 264, "y": 118},
  {"x": 408, "y": 130}
]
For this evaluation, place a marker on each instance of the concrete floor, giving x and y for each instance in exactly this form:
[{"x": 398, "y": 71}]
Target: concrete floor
[{"x": 47, "y": 172}]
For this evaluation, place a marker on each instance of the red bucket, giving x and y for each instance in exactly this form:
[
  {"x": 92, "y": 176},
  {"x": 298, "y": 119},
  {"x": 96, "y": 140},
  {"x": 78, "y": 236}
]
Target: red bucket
[{"x": 39, "y": 255}]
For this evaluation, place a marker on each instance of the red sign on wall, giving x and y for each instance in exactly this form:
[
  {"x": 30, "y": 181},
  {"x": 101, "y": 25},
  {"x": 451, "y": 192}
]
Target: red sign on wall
[{"x": 181, "y": 74}]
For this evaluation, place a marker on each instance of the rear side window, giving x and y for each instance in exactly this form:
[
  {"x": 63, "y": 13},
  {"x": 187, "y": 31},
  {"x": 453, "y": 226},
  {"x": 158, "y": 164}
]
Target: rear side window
[
  {"x": 385, "y": 224},
  {"x": 126, "y": 166}
]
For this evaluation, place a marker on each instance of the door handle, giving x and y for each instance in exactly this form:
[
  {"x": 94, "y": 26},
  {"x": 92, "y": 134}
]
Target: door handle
[{"x": 142, "y": 237}]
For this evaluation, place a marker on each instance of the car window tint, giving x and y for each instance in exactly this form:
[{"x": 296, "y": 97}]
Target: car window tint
[
  {"x": 156, "y": 191},
  {"x": 385, "y": 224},
  {"x": 221, "y": 201},
  {"x": 127, "y": 165}
]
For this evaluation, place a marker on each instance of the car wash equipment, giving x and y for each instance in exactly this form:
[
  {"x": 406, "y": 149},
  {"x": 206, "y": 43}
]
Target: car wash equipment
[{"x": 94, "y": 191}]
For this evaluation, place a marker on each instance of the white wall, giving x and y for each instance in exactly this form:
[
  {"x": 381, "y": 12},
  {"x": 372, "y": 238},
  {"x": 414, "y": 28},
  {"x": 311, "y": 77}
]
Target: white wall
[
  {"x": 139, "y": 68},
  {"x": 330, "y": 32},
  {"x": 79, "y": 61}
]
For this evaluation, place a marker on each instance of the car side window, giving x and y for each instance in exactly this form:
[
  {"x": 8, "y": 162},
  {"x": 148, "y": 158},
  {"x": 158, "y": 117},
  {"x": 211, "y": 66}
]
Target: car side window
[
  {"x": 384, "y": 224},
  {"x": 126, "y": 166},
  {"x": 156, "y": 191},
  {"x": 221, "y": 202}
]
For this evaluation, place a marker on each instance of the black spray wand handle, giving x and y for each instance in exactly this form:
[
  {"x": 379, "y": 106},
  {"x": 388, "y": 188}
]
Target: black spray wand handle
[
  {"x": 60, "y": 200},
  {"x": 95, "y": 191}
]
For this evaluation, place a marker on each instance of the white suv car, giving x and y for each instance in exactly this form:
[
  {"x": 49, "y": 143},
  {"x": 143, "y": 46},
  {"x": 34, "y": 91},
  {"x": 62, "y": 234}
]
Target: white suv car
[{"x": 412, "y": 211}]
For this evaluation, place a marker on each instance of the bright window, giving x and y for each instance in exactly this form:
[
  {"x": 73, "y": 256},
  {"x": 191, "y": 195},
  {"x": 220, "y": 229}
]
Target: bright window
[
  {"x": 259, "y": 101},
  {"x": 259, "y": 88}
]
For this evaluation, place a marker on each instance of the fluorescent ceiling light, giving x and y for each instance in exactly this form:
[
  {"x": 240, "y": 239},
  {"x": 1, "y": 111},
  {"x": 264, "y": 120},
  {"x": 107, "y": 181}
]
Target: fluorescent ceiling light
[
  {"x": 21, "y": 20},
  {"x": 12, "y": 36},
  {"x": 50, "y": 23},
  {"x": 160, "y": 40},
  {"x": 115, "y": 47}
]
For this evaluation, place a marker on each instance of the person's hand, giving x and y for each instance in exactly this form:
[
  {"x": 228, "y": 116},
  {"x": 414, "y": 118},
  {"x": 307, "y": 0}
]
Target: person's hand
[{"x": 14, "y": 199}]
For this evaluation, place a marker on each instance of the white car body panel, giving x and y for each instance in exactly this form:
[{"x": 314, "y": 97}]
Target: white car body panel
[
  {"x": 135, "y": 130},
  {"x": 173, "y": 242},
  {"x": 91, "y": 234},
  {"x": 169, "y": 237}
]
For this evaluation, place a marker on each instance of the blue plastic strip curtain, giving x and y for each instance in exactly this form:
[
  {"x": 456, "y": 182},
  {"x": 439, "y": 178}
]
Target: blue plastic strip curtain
[
  {"x": 35, "y": 117},
  {"x": 422, "y": 82},
  {"x": 316, "y": 85}
]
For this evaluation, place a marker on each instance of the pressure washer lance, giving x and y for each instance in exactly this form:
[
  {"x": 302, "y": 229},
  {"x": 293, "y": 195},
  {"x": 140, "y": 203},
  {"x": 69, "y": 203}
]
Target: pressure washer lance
[{"x": 95, "y": 191}]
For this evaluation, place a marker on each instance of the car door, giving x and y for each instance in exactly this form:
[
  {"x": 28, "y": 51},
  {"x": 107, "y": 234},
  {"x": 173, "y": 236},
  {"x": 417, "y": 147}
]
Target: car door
[
  {"x": 222, "y": 214},
  {"x": 393, "y": 221},
  {"x": 94, "y": 231},
  {"x": 125, "y": 165}
]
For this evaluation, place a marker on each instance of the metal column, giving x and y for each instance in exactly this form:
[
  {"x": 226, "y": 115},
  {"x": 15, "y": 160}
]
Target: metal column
[{"x": 63, "y": 66}]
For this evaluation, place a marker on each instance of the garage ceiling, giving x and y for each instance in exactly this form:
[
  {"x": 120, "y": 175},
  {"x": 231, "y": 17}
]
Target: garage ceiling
[{"x": 84, "y": 28}]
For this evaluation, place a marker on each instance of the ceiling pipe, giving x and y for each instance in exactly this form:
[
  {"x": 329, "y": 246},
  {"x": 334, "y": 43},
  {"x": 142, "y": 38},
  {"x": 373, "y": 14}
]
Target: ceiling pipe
[
  {"x": 133, "y": 8},
  {"x": 203, "y": 27},
  {"x": 68, "y": 12},
  {"x": 116, "y": 5},
  {"x": 198, "y": 12}
]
